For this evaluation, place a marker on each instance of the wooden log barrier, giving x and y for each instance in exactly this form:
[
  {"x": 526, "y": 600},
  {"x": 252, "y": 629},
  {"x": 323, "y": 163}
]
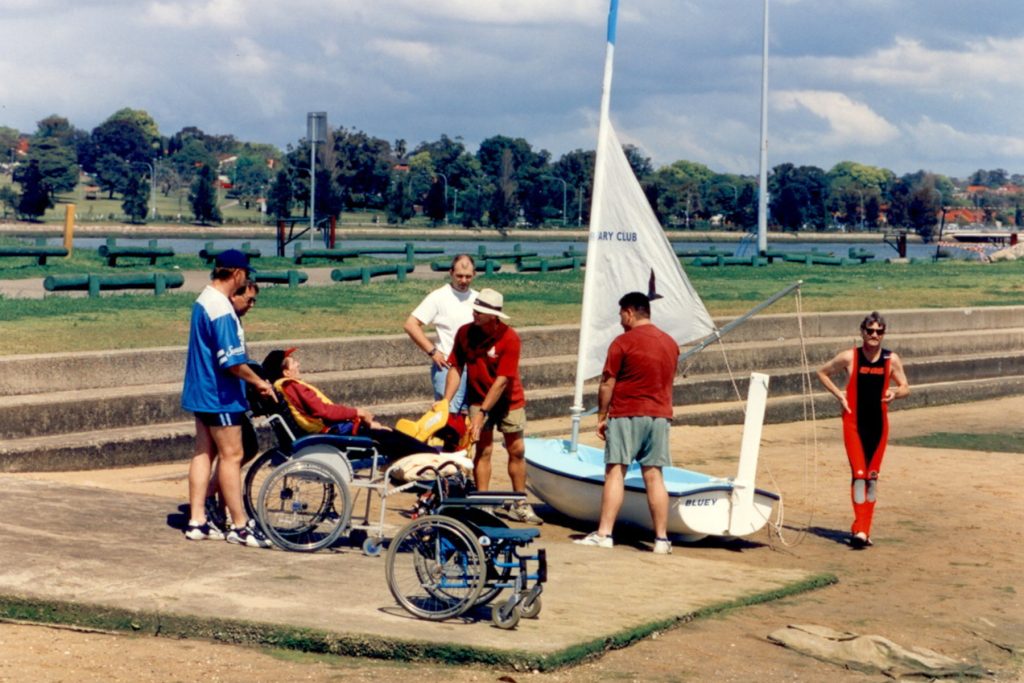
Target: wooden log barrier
[
  {"x": 94, "y": 284},
  {"x": 365, "y": 273}
]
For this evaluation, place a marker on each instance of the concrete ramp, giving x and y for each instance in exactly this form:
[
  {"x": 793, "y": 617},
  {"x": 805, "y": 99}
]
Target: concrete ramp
[{"x": 104, "y": 559}]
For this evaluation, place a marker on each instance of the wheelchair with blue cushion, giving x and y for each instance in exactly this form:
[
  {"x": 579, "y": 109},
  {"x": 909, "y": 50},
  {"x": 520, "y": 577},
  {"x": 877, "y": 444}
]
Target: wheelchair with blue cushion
[
  {"x": 303, "y": 491},
  {"x": 459, "y": 556}
]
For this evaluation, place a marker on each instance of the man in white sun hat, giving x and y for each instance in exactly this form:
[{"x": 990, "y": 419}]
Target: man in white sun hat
[{"x": 487, "y": 351}]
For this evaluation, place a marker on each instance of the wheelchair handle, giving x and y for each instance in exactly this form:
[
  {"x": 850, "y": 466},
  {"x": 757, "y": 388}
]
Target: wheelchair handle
[{"x": 428, "y": 468}]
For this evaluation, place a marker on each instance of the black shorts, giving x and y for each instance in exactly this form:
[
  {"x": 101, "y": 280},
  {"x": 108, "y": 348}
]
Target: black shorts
[{"x": 221, "y": 419}]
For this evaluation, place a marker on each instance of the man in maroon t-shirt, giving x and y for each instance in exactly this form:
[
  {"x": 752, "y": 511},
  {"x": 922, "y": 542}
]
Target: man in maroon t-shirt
[
  {"x": 488, "y": 351},
  {"x": 634, "y": 413}
]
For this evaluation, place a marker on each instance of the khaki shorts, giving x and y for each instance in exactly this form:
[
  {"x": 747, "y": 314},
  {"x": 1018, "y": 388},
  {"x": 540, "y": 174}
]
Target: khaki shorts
[
  {"x": 644, "y": 439},
  {"x": 509, "y": 423}
]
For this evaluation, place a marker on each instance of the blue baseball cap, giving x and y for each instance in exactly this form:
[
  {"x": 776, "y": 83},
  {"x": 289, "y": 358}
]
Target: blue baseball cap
[{"x": 233, "y": 258}]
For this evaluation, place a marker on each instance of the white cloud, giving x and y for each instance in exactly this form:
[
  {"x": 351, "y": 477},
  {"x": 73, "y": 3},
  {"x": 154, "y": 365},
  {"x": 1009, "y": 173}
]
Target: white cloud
[
  {"x": 908, "y": 63},
  {"x": 496, "y": 12},
  {"x": 197, "y": 13},
  {"x": 849, "y": 122},
  {"x": 247, "y": 58},
  {"x": 943, "y": 138},
  {"x": 414, "y": 52}
]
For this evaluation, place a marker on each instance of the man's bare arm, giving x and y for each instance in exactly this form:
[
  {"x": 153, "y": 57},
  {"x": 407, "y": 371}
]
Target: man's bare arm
[
  {"x": 842, "y": 362},
  {"x": 898, "y": 377},
  {"x": 604, "y": 399},
  {"x": 244, "y": 372},
  {"x": 414, "y": 328}
]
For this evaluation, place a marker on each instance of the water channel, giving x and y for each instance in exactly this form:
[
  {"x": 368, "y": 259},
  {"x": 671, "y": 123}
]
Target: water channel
[{"x": 268, "y": 247}]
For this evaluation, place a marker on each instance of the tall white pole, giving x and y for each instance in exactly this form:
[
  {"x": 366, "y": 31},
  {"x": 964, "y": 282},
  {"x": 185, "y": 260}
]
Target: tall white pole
[
  {"x": 590, "y": 283},
  {"x": 445, "y": 196},
  {"x": 152, "y": 188},
  {"x": 762, "y": 195}
]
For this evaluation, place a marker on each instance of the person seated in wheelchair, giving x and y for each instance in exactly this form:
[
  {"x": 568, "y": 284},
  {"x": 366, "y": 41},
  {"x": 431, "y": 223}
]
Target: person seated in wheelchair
[{"x": 317, "y": 414}]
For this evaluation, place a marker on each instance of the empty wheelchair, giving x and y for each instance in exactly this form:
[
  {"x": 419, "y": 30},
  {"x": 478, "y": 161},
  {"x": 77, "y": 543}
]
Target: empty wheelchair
[{"x": 459, "y": 556}]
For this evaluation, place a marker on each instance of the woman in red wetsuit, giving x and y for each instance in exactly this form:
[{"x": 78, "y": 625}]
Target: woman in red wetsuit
[{"x": 876, "y": 378}]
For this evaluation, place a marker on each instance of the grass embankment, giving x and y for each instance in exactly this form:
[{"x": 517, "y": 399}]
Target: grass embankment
[
  {"x": 1000, "y": 442},
  {"x": 60, "y": 323}
]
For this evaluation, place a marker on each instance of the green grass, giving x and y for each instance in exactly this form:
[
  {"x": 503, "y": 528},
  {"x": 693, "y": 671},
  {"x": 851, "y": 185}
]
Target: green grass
[
  {"x": 999, "y": 442},
  {"x": 61, "y": 323},
  {"x": 105, "y": 210}
]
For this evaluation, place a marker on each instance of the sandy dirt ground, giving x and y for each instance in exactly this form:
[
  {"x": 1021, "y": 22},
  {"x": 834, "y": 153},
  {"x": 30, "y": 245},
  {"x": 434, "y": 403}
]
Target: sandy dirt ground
[{"x": 944, "y": 573}]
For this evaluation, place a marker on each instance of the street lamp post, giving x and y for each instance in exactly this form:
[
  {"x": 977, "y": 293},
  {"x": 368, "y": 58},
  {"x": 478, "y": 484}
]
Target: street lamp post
[
  {"x": 861, "y": 194},
  {"x": 152, "y": 189},
  {"x": 152, "y": 185},
  {"x": 445, "y": 195},
  {"x": 735, "y": 197},
  {"x": 565, "y": 191},
  {"x": 942, "y": 223},
  {"x": 455, "y": 205},
  {"x": 316, "y": 131}
]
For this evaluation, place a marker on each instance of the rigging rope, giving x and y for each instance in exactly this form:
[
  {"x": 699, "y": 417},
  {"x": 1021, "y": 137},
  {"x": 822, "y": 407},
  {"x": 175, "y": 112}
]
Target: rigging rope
[
  {"x": 811, "y": 458},
  {"x": 810, "y": 469}
]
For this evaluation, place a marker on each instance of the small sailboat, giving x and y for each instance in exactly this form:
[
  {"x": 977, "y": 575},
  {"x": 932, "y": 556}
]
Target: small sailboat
[{"x": 628, "y": 251}]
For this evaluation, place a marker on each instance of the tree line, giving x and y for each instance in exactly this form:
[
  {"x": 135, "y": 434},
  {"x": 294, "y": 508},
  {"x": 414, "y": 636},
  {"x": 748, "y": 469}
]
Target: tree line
[{"x": 504, "y": 183}]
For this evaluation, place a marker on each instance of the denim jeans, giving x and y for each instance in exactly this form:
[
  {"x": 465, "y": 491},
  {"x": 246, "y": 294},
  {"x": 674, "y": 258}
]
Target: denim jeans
[{"x": 439, "y": 376}]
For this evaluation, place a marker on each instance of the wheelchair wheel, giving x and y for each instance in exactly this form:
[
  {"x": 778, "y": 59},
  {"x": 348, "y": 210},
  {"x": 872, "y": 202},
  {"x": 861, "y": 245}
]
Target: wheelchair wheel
[
  {"x": 505, "y": 614},
  {"x": 436, "y": 568},
  {"x": 372, "y": 547},
  {"x": 304, "y": 506},
  {"x": 258, "y": 471},
  {"x": 530, "y": 608}
]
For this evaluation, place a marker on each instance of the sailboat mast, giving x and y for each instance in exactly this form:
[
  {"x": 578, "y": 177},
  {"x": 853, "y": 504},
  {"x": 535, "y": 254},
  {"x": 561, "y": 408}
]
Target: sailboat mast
[
  {"x": 762, "y": 195},
  {"x": 590, "y": 275}
]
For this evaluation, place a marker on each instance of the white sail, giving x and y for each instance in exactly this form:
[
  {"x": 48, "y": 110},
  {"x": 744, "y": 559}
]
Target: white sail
[{"x": 629, "y": 252}]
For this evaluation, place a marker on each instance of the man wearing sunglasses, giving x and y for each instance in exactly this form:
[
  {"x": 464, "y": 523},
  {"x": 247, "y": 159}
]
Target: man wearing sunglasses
[{"x": 876, "y": 378}]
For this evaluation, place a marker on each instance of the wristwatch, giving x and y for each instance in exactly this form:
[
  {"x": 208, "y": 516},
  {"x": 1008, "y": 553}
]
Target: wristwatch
[{"x": 432, "y": 351}]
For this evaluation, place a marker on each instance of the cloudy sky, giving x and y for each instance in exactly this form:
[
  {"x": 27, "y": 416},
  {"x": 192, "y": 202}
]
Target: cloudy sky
[{"x": 902, "y": 84}]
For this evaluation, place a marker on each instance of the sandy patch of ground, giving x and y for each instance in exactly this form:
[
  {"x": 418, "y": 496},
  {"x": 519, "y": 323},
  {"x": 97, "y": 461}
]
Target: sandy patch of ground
[{"x": 944, "y": 572}]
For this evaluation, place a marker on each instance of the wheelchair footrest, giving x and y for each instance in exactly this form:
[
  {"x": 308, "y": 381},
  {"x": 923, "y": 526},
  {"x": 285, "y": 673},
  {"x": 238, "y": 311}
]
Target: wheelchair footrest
[
  {"x": 487, "y": 498},
  {"x": 509, "y": 534}
]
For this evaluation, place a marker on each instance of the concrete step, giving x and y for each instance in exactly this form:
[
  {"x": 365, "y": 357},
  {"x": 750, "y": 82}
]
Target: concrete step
[
  {"x": 25, "y": 374},
  {"x": 547, "y": 380},
  {"x": 173, "y": 441},
  {"x": 796, "y": 408},
  {"x": 405, "y": 392}
]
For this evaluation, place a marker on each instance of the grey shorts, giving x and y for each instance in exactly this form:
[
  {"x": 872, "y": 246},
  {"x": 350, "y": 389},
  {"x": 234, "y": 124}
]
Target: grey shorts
[{"x": 644, "y": 439}]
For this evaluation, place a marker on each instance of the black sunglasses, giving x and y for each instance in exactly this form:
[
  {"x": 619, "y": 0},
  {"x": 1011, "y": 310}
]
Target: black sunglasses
[{"x": 873, "y": 331}]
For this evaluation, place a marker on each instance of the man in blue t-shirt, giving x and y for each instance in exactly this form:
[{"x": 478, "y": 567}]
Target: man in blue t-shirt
[{"x": 216, "y": 371}]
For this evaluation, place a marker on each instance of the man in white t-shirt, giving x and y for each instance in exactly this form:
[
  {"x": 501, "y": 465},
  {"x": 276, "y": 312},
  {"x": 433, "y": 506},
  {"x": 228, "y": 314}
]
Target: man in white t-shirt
[{"x": 447, "y": 309}]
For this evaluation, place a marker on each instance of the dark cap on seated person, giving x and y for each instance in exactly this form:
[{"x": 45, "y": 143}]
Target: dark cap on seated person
[
  {"x": 233, "y": 258},
  {"x": 274, "y": 362}
]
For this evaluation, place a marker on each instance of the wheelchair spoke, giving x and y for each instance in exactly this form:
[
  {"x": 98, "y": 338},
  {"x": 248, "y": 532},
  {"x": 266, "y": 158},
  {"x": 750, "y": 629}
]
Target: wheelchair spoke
[
  {"x": 304, "y": 506},
  {"x": 435, "y": 568}
]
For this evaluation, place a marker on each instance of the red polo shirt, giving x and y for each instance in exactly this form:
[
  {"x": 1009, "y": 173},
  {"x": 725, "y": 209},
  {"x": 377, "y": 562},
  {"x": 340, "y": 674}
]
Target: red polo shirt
[
  {"x": 643, "y": 363},
  {"x": 486, "y": 358}
]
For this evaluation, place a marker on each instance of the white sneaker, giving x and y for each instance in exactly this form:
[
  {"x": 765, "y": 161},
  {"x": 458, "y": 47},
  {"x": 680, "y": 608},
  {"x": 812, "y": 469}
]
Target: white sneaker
[
  {"x": 203, "y": 532},
  {"x": 249, "y": 535},
  {"x": 596, "y": 540},
  {"x": 523, "y": 512},
  {"x": 662, "y": 546}
]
